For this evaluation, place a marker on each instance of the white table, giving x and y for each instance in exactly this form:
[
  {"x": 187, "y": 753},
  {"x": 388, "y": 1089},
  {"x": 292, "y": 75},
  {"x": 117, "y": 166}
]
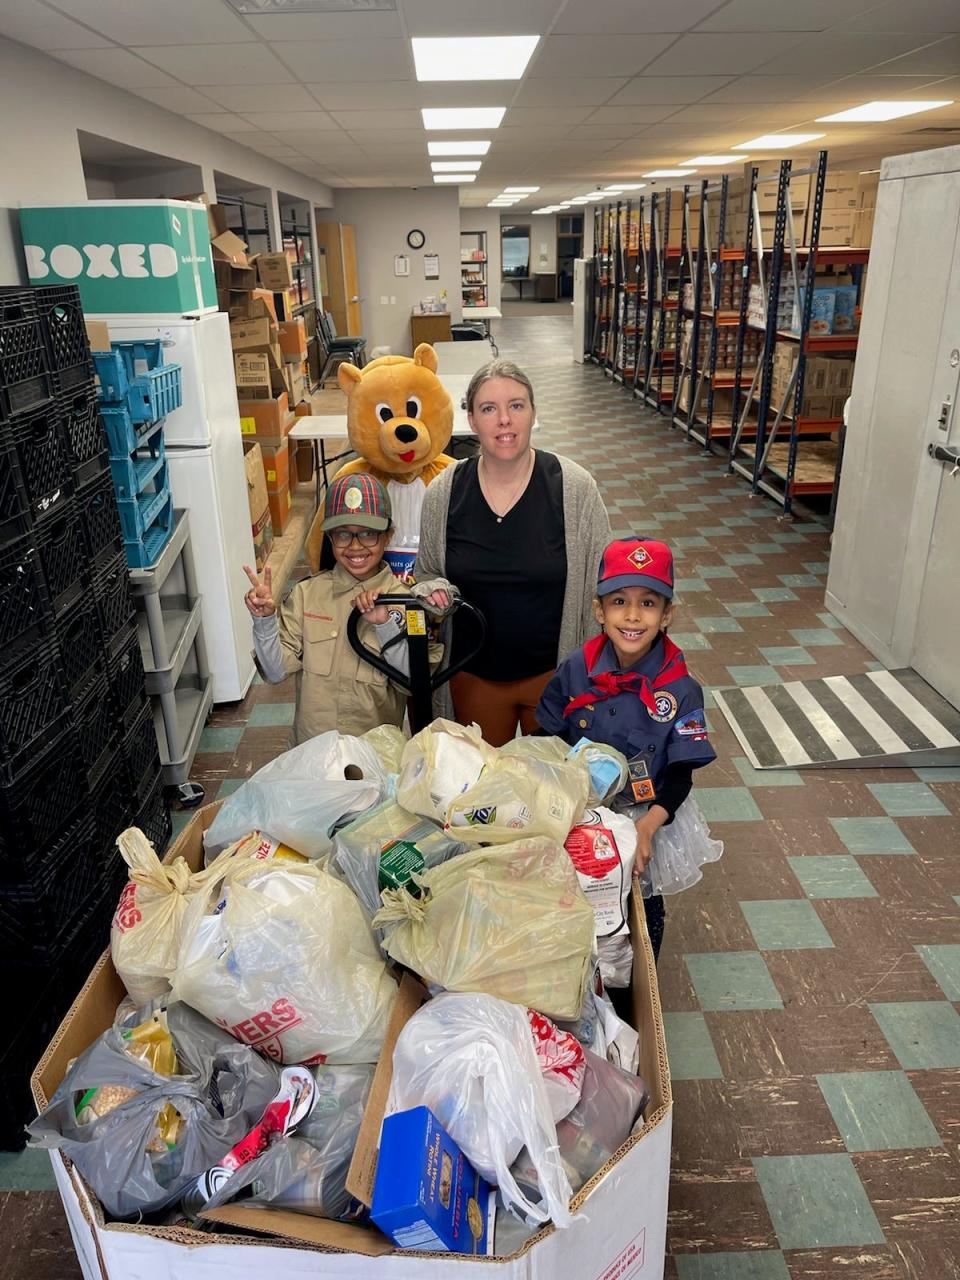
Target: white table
[
  {"x": 484, "y": 315},
  {"x": 459, "y": 357}
]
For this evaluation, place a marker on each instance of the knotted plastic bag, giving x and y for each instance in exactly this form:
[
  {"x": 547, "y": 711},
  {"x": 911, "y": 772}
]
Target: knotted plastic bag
[
  {"x": 522, "y": 793},
  {"x": 283, "y": 957},
  {"x": 602, "y": 847},
  {"x": 471, "y": 1060},
  {"x": 438, "y": 764},
  {"x": 680, "y": 851},
  {"x": 511, "y": 921}
]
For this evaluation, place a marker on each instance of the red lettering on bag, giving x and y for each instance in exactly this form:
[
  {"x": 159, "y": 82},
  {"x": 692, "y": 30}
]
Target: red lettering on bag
[
  {"x": 127, "y": 915},
  {"x": 261, "y": 1030}
]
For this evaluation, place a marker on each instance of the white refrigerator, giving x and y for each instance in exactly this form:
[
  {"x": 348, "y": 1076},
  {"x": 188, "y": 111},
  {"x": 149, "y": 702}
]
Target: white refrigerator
[{"x": 204, "y": 450}]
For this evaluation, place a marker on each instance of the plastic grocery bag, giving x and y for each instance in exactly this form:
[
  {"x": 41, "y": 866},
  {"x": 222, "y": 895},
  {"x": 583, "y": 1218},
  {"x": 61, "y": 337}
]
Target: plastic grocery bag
[
  {"x": 471, "y": 1060},
  {"x": 283, "y": 957},
  {"x": 219, "y": 1089},
  {"x": 511, "y": 921},
  {"x": 602, "y": 847},
  {"x": 388, "y": 742},
  {"x": 145, "y": 933},
  {"x": 307, "y": 1172},
  {"x": 680, "y": 850},
  {"x": 600, "y": 1028},
  {"x": 520, "y": 794},
  {"x": 303, "y": 795},
  {"x": 384, "y": 847},
  {"x": 439, "y": 763},
  {"x": 561, "y": 1060}
]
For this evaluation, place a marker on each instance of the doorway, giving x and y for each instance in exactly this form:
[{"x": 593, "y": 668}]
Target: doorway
[{"x": 569, "y": 247}]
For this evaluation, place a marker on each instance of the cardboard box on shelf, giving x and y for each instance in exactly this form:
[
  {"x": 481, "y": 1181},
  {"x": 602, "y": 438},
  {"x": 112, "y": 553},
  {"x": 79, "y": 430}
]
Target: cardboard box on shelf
[
  {"x": 841, "y": 190},
  {"x": 868, "y": 185},
  {"x": 817, "y": 406},
  {"x": 621, "y": 1230},
  {"x": 259, "y": 333},
  {"x": 259, "y": 374},
  {"x": 276, "y": 465},
  {"x": 268, "y": 421},
  {"x": 841, "y": 376},
  {"x": 863, "y": 228},
  {"x": 276, "y": 272},
  {"x": 838, "y": 405},
  {"x": 234, "y": 276},
  {"x": 281, "y": 504},
  {"x": 296, "y": 382},
  {"x": 260, "y": 522},
  {"x": 293, "y": 339}
]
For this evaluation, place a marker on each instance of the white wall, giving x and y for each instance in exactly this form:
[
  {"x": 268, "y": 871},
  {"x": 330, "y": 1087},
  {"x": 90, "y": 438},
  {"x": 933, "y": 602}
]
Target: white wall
[
  {"x": 487, "y": 220},
  {"x": 382, "y": 218},
  {"x": 543, "y": 247},
  {"x": 44, "y": 102}
]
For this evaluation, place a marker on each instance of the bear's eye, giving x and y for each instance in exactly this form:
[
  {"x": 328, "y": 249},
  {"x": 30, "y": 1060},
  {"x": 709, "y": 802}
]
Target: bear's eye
[
  {"x": 413, "y": 407},
  {"x": 385, "y": 412}
]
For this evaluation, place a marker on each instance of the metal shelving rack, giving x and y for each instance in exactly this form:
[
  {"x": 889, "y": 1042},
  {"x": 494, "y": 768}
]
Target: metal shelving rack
[
  {"x": 301, "y": 236},
  {"x": 476, "y": 266},
  {"x": 603, "y": 278},
  {"x": 245, "y": 230},
  {"x": 658, "y": 389}
]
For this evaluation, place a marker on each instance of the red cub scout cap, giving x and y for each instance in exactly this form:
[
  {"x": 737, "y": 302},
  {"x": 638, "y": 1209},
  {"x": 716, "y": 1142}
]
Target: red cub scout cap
[{"x": 636, "y": 562}]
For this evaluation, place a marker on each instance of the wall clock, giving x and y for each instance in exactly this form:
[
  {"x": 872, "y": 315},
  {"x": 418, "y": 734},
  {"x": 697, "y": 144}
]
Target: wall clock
[{"x": 416, "y": 239}]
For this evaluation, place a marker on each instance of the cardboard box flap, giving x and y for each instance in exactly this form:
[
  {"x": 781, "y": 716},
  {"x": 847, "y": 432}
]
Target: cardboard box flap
[
  {"x": 231, "y": 248},
  {"x": 345, "y": 1237}
]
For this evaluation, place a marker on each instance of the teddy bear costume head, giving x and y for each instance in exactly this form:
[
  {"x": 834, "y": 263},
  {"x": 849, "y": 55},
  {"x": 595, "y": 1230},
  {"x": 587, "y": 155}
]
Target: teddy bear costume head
[{"x": 399, "y": 420}]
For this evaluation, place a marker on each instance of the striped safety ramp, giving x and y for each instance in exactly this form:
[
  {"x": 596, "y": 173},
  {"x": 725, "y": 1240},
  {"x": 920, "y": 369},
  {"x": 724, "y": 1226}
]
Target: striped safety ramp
[{"x": 875, "y": 720}]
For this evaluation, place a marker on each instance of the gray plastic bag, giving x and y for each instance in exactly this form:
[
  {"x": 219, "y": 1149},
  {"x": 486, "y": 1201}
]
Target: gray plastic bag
[{"x": 220, "y": 1093}]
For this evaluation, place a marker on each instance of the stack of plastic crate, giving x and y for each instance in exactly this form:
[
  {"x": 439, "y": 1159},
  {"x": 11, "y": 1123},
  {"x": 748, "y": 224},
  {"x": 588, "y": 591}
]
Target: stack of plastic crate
[
  {"x": 76, "y": 765},
  {"x": 137, "y": 391}
]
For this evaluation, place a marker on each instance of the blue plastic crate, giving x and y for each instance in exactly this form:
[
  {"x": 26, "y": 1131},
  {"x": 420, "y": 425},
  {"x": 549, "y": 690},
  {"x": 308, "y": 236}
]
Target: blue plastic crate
[
  {"x": 133, "y": 374},
  {"x": 123, "y": 433},
  {"x": 132, "y": 475},
  {"x": 139, "y": 513},
  {"x": 155, "y": 394},
  {"x": 144, "y": 551}
]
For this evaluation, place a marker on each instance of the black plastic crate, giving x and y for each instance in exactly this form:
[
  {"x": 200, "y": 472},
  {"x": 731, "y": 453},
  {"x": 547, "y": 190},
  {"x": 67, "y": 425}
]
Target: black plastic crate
[
  {"x": 64, "y": 330},
  {"x": 38, "y": 798},
  {"x": 125, "y": 676},
  {"x": 33, "y": 694},
  {"x": 95, "y": 721},
  {"x": 13, "y": 495},
  {"x": 80, "y": 423},
  {"x": 153, "y": 817},
  {"x": 62, "y": 554},
  {"x": 111, "y": 591},
  {"x": 96, "y": 503},
  {"x": 140, "y": 744},
  {"x": 25, "y": 613},
  {"x": 17, "y": 303},
  {"x": 22, "y": 352},
  {"x": 43, "y": 463},
  {"x": 112, "y": 804},
  {"x": 80, "y": 640}
]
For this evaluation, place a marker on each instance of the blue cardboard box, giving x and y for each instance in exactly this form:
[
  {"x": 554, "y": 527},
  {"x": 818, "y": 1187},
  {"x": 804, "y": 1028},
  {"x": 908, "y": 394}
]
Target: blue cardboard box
[{"x": 427, "y": 1195}]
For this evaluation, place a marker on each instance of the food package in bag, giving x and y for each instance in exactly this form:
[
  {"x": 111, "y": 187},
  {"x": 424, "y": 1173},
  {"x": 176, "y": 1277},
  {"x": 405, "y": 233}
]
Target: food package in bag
[
  {"x": 302, "y": 795},
  {"x": 510, "y": 920},
  {"x": 520, "y": 795},
  {"x": 438, "y": 764},
  {"x": 384, "y": 847},
  {"x": 282, "y": 956},
  {"x": 145, "y": 933},
  {"x": 607, "y": 766},
  {"x": 471, "y": 1060},
  {"x": 602, "y": 847}
]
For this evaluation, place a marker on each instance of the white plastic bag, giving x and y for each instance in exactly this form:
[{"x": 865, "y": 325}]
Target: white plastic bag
[
  {"x": 520, "y": 794},
  {"x": 510, "y": 920},
  {"x": 303, "y": 795},
  {"x": 471, "y": 1060},
  {"x": 439, "y": 763},
  {"x": 282, "y": 956},
  {"x": 561, "y": 1059},
  {"x": 388, "y": 742},
  {"x": 680, "y": 850},
  {"x": 602, "y": 847}
]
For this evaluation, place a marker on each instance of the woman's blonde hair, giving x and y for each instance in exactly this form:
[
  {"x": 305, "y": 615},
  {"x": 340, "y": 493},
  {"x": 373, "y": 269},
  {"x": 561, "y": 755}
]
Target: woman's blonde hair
[{"x": 497, "y": 369}]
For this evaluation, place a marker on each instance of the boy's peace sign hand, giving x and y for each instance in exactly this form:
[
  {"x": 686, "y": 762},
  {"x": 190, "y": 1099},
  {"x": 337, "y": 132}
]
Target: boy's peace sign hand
[{"x": 259, "y": 599}]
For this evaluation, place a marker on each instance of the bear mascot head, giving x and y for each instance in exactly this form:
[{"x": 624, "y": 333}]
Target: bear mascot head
[{"x": 399, "y": 420}]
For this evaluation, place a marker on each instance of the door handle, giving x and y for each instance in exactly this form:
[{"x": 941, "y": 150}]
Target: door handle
[{"x": 941, "y": 454}]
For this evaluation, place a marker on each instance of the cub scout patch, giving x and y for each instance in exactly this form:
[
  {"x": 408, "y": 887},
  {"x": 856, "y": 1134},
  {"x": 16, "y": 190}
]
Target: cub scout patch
[
  {"x": 692, "y": 725},
  {"x": 640, "y": 556},
  {"x": 666, "y": 705}
]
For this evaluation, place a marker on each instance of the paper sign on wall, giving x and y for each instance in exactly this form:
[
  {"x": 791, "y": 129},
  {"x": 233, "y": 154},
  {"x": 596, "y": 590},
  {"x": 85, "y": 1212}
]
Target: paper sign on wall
[
  {"x": 401, "y": 265},
  {"x": 431, "y": 266}
]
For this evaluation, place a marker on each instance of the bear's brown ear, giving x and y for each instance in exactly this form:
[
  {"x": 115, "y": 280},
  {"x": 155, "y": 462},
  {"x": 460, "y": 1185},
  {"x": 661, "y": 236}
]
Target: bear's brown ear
[
  {"x": 426, "y": 357},
  {"x": 348, "y": 375}
]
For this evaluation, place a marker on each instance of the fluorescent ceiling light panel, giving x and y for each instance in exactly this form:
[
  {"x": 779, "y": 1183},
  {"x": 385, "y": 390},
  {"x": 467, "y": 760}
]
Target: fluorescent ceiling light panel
[
  {"x": 580, "y": 200},
  {"x": 708, "y": 160},
  {"x": 462, "y": 117},
  {"x": 869, "y": 112},
  {"x": 509, "y": 191},
  {"x": 454, "y": 177},
  {"x": 669, "y": 173},
  {"x": 454, "y": 166},
  {"x": 472, "y": 57},
  {"x": 458, "y": 148},
  {"x": 629, "y": 186},
  {"x": 773, "y": 141}
]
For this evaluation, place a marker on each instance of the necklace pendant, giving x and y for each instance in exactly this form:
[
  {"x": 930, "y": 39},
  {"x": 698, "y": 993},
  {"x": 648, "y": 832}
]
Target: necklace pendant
[{"x": 499, "y": 519}]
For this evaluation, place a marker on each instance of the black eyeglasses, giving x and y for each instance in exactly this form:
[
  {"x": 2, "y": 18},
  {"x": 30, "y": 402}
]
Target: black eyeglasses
[{"x": 366, "y": 537}]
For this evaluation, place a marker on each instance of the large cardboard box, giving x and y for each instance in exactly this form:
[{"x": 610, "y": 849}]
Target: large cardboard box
[
  {"x": 293, "y": 340},
  {"x": 281, "y": 505},
  {"x": 276, "y": 464},
  {"x": 259, "y": 333},
  {"x": 268, "y": 421},
  {"x": 259, "y": 374},
  {"x": 621, "y": 1213},
  {"x": 276, "y": 272},
  {"x": 131, "y": 257},
  {"x": 260, "y": 522}
]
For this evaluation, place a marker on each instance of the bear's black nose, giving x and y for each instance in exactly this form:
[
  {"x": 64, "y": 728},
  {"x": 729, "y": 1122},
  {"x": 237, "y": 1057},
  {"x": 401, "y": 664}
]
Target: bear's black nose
[{"x": 406, "y": 435}]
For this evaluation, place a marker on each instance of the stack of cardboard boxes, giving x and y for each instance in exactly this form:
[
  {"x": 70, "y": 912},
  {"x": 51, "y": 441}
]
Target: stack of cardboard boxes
[
  {"x": 846, "y": 218},
  {"x": 826, "y": 383}
]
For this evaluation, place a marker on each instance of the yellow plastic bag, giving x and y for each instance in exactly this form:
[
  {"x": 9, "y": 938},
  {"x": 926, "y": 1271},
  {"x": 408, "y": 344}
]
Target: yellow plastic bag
[
  {"x": 388, "y": 742},
  {"x": 511, "y": 921},
  {"x": 439, "y": 763},
  {"x": 520, "y": 794}
]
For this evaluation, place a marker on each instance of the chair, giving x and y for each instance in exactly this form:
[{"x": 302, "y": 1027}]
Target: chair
[
  {"x": 336, "y": 350},
  {"x": 466, "y": 333}
]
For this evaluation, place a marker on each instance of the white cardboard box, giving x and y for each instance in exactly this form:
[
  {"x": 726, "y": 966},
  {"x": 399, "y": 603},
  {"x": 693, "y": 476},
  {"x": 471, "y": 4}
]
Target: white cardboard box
[{"x": 619, "y": 1232}]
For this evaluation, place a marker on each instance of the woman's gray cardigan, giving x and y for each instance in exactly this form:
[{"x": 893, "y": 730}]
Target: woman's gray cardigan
[{"x": 587, "y": 532}]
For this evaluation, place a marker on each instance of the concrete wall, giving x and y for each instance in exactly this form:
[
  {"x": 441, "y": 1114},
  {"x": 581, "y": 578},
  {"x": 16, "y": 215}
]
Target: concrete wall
[
  {"x": 382, "y": 218},
  {"x": 487, "y": 220},
  {"x": 44, "y": 102},
  {"x": 543, "y": 247}
]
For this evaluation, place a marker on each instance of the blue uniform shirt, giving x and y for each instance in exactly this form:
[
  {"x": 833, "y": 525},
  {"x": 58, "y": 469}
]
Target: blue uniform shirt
[{"x": 678, "y": 732}]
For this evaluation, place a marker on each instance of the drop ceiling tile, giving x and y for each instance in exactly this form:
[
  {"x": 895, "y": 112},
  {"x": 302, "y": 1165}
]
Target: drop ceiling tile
[
  {"x": 850, "y": 90},
  {"x": 472, "y": 93},
  {"x": 237, "y": 97},
  {"x": 722, "y": 113},
  {"x": 524, "y": 117},
  {"x": 219, "y": 121},
  {"x": 164, "y": 22},
  {"x": 252, "y": 64},
  {"x": 722, "y": 53},
  {"x": 623, "y": 16},
  {"x": 568, "y": 92},
  {"x": 677, "y": 89},
  {"x": 610, "y": 132},
  {"x": 271, "y": 121},
  {"x": 940, "y": 59},
  {"x": 385, "y": 95},
  {"x": 326, "y": 26},
  {"x": 784, "y": 15},
  {"x": 376, "y": 59},
  {"x": 635, "y": 114},
  {"x": 33, "y": 23},
  {"x": 768, "y": 88},
  {"x": 596, "y": 55},
  {"x": 512, "y": 139},
  {"x": 846, "y": 52},
  {"x": 368, "y": 121},
  {"x": 181, "y": 99},
  {"x": 919, "y": 15},
  {"x": 117, "y": 66},
  {"x": 470, "y": 18},
  {"x": 374, "y": 136}
]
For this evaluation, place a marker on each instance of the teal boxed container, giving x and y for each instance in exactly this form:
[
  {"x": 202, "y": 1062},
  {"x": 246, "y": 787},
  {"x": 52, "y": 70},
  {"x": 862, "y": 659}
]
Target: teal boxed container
[
  {"x": 821, "y": 311},
  {"x": 127, "y": 257},
  {"x": 845, "y": 309},
  {"x": 427, "y": 1195}
]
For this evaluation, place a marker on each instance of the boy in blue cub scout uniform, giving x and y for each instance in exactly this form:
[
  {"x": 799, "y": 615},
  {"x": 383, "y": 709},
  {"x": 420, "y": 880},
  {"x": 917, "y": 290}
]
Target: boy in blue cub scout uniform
[{"x": 629, "y": 688}]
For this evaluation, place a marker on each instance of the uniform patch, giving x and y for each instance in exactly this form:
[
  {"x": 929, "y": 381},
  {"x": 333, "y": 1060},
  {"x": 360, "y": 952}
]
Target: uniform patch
[
  {"x": 640, "y": 556},
  {"x": 666, "y": 705},
  {"x": 353, "y": 499},
  {"x": 692, "y": 725}
]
